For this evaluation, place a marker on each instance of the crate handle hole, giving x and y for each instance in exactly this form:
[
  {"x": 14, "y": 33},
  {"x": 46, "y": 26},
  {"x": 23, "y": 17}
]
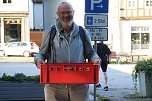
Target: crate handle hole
[
  {"x": 81, "y": 69},
  {"x": 51, "y": 69},
  {"x": 88, "y": 69}
]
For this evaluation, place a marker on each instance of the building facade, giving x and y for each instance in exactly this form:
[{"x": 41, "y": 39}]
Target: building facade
[
  {"x": 129, "y": 22},
  {"x": 135, "y": 26},
  {"x": 14, "y": 21}
]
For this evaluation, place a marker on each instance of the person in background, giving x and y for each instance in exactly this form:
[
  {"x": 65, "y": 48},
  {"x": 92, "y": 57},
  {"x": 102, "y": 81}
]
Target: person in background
[
  {"x": 68, "y": 48},
  {"x": 104, "y": 53}
]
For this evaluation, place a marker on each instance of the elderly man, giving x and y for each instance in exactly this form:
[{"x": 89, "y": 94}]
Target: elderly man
[{"x": 68, "y": 48}]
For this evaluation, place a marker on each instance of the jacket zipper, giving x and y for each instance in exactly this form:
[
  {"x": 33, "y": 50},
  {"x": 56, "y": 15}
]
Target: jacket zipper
[{"x": 68, "y": 48}]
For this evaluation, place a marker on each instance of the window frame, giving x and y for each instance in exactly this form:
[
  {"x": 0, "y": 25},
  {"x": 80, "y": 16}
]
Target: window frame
[
  {"x": 143, "y": 40},
  {"x": 132, "y": 4},
  {"x": 148, "y": 3}
]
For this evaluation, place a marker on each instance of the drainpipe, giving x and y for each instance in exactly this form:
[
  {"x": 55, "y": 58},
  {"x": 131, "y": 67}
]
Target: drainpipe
[{"x": 34, "y": 16}]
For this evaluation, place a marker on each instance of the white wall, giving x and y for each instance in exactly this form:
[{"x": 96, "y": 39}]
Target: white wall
[
  {"x": 113, "y": 25},
  {"x": 31, "y": 13},
  {"x": 126, "y": 35},
  {"x": 15, "y": 6},
  {"x": 79, "y": 8}
]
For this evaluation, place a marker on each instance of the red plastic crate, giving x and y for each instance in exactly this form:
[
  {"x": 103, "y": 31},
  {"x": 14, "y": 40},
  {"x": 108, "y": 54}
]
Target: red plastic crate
[{"x": 69, "y": 73}]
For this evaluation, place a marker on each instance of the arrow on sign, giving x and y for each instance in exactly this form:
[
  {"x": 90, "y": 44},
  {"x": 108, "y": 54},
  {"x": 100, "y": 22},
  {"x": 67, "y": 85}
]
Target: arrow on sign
[
  {"x": 94, "y": 2},
  {"x": 100, "y": 6}
]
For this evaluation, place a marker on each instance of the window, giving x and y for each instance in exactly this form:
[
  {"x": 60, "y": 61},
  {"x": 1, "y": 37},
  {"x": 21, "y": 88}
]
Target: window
[
  {"x": 132, "y": 4},
  {"x": 151, "y": 3},
  {"x": 148, "y": 3},
  {"x": 12, "y": 32},
  {"x": 134, "y": 29},
  {"x": 139, "y": 41},
  {"x": 144, "y": 40},
  {"x": 4, "y": 1},
  {"x": 140, "y": 38},
  {"x": 135, "y": 41},
  {"x": 7, "y": 1},
  {"x": 24, "y": 44},
  {"x": 129, "y": 4}
]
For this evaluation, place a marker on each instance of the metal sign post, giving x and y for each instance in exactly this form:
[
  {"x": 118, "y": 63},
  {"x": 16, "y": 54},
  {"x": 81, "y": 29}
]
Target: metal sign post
[
  {"x": 96, "y": 22},
  {"x": 95, "y": 48}
]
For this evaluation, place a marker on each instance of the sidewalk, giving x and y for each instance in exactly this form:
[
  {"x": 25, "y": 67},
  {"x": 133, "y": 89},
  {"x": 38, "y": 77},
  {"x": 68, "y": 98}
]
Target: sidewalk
[
  {"x": 120, "y": 84},
  {"x": 16, "y": 59}
]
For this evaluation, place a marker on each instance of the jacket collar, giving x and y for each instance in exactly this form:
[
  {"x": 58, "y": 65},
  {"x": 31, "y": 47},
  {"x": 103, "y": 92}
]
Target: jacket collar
[{"x": 61, "y": 30}]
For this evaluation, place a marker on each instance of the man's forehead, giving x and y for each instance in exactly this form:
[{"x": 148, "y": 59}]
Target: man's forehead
[{"x": 65, "y": 6}]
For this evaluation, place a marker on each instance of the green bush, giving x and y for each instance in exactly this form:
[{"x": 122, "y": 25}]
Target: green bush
[
  {"x": 113, "y": 62},
  {"x": 144, "y": 65},
  {"x": 20, "y": 77}
]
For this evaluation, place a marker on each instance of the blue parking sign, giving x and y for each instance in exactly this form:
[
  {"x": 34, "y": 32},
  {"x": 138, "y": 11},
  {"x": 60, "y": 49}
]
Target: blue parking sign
[{"x": 96, "y": 6}]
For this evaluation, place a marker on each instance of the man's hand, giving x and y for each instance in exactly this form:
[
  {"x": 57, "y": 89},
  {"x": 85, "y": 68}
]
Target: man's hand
[
  {"x": 97, "y": 61},
  {"x": 38, "y": 62}
]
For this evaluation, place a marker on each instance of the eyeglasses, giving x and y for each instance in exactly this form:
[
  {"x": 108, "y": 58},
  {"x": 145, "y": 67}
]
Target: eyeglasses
[{"x": 64, "y": 13}]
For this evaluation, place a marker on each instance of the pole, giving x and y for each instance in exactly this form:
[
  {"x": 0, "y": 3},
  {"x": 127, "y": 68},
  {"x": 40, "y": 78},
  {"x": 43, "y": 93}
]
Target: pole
[{"x": 95, "y": 48}]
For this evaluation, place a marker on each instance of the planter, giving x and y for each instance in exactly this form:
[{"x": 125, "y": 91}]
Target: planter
[
  {"x": 21, "y": 91},
  {"x": 145, "y": 84}
]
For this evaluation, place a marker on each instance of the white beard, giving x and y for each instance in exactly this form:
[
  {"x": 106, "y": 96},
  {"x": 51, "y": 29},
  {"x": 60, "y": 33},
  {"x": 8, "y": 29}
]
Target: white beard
[{"x": 67, "y": 23}]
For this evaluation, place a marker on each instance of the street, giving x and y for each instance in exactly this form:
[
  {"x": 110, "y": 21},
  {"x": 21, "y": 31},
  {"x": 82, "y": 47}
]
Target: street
[
  {"x": 11, "y": 68},
  {"x": 119, "y": 77}
]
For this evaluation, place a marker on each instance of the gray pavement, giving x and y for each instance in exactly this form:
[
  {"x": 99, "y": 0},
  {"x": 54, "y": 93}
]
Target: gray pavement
[
  {"x": 120, "y": 84},
  {"x": 120, "y": 79}
]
